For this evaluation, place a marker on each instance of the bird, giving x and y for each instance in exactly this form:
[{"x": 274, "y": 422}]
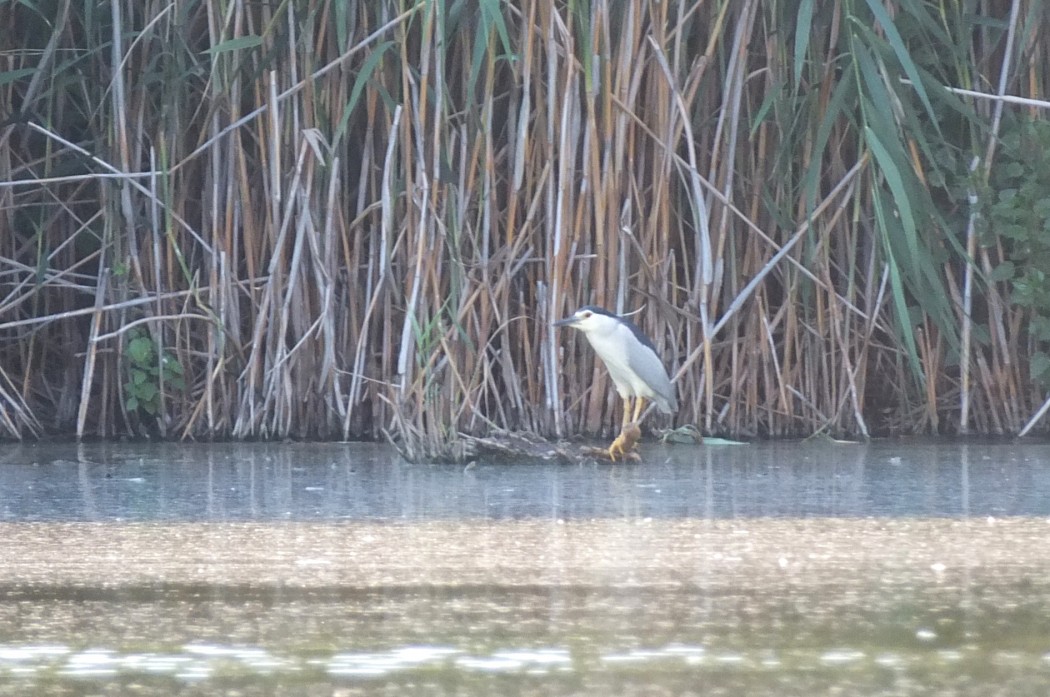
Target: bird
[{"x": 633, "y": 364}]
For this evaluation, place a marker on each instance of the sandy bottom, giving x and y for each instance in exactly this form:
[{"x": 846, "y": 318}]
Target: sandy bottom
[{"x": 600, "y": 553}]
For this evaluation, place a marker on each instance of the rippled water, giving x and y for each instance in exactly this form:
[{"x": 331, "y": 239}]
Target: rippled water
[
  {"x": 543, "y": 641},
  {"x": 846, "y": 570}
]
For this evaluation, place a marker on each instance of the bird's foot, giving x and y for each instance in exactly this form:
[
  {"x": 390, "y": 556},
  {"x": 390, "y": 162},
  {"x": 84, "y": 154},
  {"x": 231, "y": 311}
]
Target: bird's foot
[{"x": 623, "y": 447}]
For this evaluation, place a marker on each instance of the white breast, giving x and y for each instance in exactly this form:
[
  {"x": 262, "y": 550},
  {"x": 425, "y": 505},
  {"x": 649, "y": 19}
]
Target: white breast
[{"x": 612, "y": 349}]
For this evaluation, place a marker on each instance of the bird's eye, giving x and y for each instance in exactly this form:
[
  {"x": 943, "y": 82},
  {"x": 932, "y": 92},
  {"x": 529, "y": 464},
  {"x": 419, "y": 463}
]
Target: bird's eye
[{"x": 587, "y": 314}]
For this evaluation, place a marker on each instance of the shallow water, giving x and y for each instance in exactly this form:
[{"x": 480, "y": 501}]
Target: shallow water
[
  {"x": 788, "y": 569},
  {"x": 326, "y": 481}
]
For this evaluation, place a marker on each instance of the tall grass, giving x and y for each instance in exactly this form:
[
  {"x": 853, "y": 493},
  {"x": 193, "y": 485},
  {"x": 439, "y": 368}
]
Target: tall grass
[{"x": 339, "y": 219}]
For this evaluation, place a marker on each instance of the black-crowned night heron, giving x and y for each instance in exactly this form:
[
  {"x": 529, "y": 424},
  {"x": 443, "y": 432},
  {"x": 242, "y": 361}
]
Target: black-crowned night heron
[{"x": 634, "y": 367}]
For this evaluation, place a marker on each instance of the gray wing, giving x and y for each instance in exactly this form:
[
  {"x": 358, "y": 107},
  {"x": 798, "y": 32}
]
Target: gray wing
[{"x": 651, "y": 369}]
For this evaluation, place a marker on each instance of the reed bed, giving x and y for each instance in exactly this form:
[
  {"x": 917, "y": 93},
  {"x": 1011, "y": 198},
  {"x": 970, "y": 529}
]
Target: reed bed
[{"x": 351, "y": 218}]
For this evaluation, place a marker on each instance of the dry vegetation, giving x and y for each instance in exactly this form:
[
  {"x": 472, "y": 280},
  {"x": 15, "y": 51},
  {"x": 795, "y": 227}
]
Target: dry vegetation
[{"x": 344, "y": 218}]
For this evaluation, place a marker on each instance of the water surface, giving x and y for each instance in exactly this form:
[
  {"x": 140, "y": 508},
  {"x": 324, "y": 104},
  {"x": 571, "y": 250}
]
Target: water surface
[
  {"x": 324, "y": 481},
  {"x": 318, "y": 569}
]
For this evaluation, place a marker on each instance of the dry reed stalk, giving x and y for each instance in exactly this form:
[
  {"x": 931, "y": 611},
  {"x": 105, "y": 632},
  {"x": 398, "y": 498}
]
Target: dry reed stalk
[
  {"x": 92, "y": 354},
  {"x": 379, "y": 208}
]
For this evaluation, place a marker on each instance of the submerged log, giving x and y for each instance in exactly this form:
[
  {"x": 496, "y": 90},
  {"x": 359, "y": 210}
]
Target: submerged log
[
  {"x": 510, "y": 448},
  {"x": 524, "y": 448},
  {"x": 507, "y": 447}
]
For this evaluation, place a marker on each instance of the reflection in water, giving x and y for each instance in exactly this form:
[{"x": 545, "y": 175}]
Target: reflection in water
[{"x": 362, "y": 481}]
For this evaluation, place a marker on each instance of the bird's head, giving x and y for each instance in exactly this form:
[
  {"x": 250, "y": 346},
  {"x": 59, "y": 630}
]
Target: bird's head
[{"x": 590, "y": 319}]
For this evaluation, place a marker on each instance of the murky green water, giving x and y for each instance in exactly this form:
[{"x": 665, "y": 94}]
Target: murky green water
[
  {"x": 325, "y": 603},
  {"x": 482, "y": 641},
  {"x": 786, "y": 607}
]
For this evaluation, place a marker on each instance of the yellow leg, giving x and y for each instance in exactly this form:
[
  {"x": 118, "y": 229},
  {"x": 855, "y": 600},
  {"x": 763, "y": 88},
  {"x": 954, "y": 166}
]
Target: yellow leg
[
  {"x": 639, "y": 406},
  {"x": 626, "y": 413},
  {"x": 624, "y": 443}
]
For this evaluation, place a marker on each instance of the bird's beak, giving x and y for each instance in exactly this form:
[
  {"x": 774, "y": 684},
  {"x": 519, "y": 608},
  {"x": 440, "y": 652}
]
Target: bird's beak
[{"x": 564, "y": 322}]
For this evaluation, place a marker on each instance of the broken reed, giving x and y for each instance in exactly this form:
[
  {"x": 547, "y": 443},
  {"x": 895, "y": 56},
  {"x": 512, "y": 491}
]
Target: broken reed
[{"x": 344, "y": 218}]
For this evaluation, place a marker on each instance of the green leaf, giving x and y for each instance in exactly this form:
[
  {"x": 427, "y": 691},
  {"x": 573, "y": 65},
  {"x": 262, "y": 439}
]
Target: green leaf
[
  {"x": 493, "y": 17},
  {"x": 476, "y": 61},
  {"x": 771, "y": 98},
  {"x": 897, "y": 290},
  {"x": 836, "y": 106},
  {"x": 342, "y": 24},
  {"x": 895, "y": 181},
  {"x": 1040, "y": 328},
  {"x": 14, "y": 75},
  {"x": 1002, "y": 272},
  {"x": 241, "y": 42},
  {"x": 172, "y": 366},
  {"x": 363, "y": 76},
  {"x": 1039, "y": 366},
  {"x": 132, "y": 403},
  {"x": 1042, "y": 207},
  {"x": 803, "y": 26},
  {"x": 903, "y": 56},
  {"x": 141, "y": 350}
]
